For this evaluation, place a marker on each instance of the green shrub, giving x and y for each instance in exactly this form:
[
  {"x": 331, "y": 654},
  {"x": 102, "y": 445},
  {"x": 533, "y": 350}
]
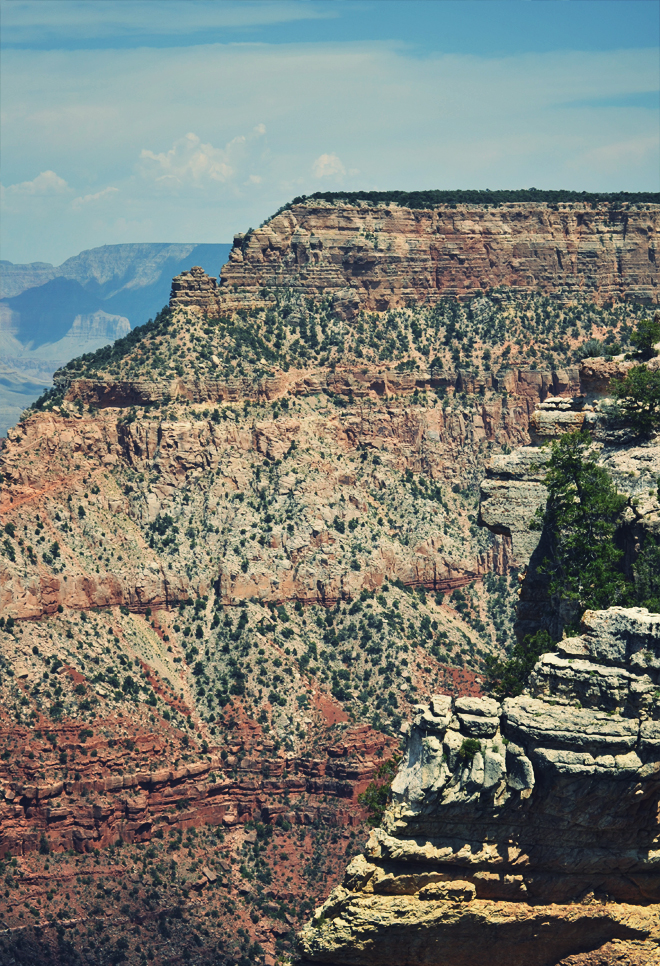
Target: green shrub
[
  {"x": 469, "y": 749},
  {"x": 645, "y": 336},
  {"x": 508, "y": 678},
  {"x": 638, "y": 400},
  {"x": 377, "y": 793}
]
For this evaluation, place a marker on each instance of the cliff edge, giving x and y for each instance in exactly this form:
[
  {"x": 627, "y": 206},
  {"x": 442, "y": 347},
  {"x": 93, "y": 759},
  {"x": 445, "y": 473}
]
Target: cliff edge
[
  {"x": 377, "y": 257},
  {"x": 526, "y": 832}
]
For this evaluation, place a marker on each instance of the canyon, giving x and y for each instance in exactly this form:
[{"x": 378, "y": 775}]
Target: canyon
[
  {"x": 527, "y": 825},
  {"x": 246, "y": 543}
]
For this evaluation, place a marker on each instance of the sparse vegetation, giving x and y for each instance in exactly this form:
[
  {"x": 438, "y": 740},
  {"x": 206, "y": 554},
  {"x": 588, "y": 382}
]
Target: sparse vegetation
[{"x": 377, "y": 793}]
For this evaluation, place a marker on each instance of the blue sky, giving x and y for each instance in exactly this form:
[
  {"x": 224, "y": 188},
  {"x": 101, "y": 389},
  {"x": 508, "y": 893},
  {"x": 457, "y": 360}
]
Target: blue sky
[{"x": 161, "y": 120}]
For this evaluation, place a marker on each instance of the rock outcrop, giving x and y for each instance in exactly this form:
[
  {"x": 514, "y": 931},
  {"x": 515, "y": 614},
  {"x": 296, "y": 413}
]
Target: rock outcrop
[
  {"x": 363, "y": 382},
  {"x": 377, "y": 257},
  {"x": 527, "y": 829},
  {"x": 109, "y": 802},
  {"x": 194, "y": 288}
]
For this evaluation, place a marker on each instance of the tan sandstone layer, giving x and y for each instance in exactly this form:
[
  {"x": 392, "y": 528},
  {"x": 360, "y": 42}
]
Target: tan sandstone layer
[{"x": 376, "y": 257}]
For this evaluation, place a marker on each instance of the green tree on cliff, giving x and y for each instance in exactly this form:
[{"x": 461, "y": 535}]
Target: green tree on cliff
[
  {"x": 508, "y": 678},
  {"x": 646, "y": 336},
  {"x": 580, "y": 520},
  {"x": 376, "y": 795},
  {"x": 638, "y": 400}
]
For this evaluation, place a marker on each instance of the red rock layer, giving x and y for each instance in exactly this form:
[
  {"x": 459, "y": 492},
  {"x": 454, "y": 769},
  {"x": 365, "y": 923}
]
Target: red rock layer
[{"x": 130, "y": 795}]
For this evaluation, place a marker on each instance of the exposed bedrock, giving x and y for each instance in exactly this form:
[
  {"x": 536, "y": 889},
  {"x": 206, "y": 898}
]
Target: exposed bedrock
[
  {"x": 367, "y": 381},
  {"x": 376, "y": 257},
  {"x": 47, "y": 457},
  {"x": 521, "y": 833},
  {"x": 106, "y": 805}
]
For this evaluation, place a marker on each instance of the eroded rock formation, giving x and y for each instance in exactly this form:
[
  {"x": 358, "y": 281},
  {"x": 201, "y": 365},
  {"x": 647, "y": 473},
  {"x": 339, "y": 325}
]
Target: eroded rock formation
[
  {"x": 524, "y": 832},
  {"x": 109, "y": 802},
  {"x": 451, "y": 445},
  {"x": 377, "y": 257},
  {"x": 194, "y": 288}
]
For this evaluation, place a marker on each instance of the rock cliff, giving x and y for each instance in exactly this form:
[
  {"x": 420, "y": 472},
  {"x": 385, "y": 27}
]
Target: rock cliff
[
  {"x": 240, "y": 546},
  {"x": 378, "y": 257},
  {"x": 529, "y": 829}
]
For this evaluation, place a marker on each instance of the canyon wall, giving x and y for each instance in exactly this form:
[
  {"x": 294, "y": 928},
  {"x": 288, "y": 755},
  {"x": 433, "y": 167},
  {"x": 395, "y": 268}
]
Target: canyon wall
[
  {"x": 528, "y": 826},
  {"x": 111, "y": 800},
  {"x": 527, "y": 829},
  {"x": 377, "y": 257},
  {"x": 237, "y": 552},
  {"x": 449, "y": 445}
]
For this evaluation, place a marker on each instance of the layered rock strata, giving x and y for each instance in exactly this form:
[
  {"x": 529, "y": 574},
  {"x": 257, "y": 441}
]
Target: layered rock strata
[
  {"x": 363, "y": 382},
  {"x": 377, "y": 257},
  {"x": 445, "y": 442},
  {"x": 527, "y": 829},
  {"x": 194, "y": 288},
  {"x": 108, "y": 803}
]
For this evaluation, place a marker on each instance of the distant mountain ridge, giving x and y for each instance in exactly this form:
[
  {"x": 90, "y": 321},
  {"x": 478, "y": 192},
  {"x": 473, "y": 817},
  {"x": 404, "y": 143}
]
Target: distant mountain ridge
[
  {"x": 110, "y": 270},
  {"x": 49, "y": 314}
]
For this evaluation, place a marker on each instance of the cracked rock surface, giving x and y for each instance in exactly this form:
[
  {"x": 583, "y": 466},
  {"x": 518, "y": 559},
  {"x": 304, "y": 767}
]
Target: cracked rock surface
[{"x": 528, "y": 829}]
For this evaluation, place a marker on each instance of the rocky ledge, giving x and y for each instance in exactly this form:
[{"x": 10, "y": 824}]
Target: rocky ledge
[{"x": 525, "y": 831}]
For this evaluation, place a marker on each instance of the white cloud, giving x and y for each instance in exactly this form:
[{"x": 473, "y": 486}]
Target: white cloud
[
  {"x": 190, "y": 162},
  {"x": 328, "y": 166},
  {"x": 118, "y": 117},
  {"x": 46, "y": 183},
  {"x": 85, "y": 199}
]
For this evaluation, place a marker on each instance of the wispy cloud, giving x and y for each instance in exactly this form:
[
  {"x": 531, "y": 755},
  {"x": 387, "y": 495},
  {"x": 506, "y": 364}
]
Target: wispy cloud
[
  {"x": 33, "y": 22},
  {"x": 97, "y": 196}
]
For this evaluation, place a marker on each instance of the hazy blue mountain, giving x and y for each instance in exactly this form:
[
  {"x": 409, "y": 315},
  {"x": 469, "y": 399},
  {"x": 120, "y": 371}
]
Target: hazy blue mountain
[
  {"x": 49, "y": 314},
  {"x": 131, "y": 279},
  {"x": 45, "y": 314}
]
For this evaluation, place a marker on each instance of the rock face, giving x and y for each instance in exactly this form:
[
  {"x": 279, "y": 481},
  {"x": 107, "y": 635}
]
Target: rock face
[
  {"x": 50, "y": 314},
  {"x": 531, "y": 385},
  {"x": 513, "y": 489},
  {"x": 446, "y": 442},
  {"x": 195, "y": 288},
  {"x": 133, "y": 806},
  {"x": 241, "y": 546},
  {"x": 528, "y": 829},
  {"x": 377, "y": 257}
]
